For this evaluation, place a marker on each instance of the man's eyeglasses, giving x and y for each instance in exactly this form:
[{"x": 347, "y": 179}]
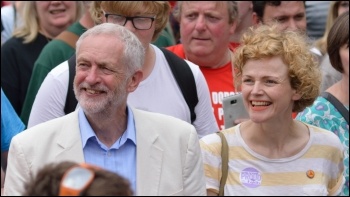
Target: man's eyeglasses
[
  {"x": 76, "y": 179},
  {"x": 139, "y": 22}
]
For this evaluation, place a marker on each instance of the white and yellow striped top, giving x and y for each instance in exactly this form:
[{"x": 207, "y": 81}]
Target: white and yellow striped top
[{"x": 316, "y": 170}]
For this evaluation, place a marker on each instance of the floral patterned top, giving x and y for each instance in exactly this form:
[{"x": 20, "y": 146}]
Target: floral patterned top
[{"x": 323, "y": 114}]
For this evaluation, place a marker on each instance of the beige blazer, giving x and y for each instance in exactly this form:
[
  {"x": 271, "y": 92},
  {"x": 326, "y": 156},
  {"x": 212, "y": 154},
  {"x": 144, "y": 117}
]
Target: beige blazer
[{"x": 168, "y": 153}]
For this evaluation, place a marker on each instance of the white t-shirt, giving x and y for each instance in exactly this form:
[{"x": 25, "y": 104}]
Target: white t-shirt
[
  {"x": 252, "y": 174},
  {"x": 159, "y": 92}
]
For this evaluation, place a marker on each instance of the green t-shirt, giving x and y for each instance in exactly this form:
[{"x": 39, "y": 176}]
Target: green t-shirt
[{"x": 166, "y": 37}]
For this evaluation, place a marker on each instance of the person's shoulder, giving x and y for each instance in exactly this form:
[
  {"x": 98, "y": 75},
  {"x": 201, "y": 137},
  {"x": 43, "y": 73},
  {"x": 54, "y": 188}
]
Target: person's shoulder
[
  {"x": 215, "y": 138},
  {"x": 55, "y": 49},
  {"x": 154, "y": 116},
  {"x": 167, "y": 127},
  {"x": 178, "y": 50},
  {"x": 7, "y": 11},
  {"x": 55, "y": 45},
  {"x": 192, "y": 65},
  {"x": 51, "y": 126},
  {"x": 12, "y": 42},
  {"x": 39, "y": 141},
  {"x": 195, "y": 70},
  {"x": 316, "y": 129},
  {"x": 47, "y": 132},
  {"x": 161, "y": 122},
  {"x": 74, "y": 26},
  {"x": 314, "y": 106},
  {"x": 318, "y": 109},
  {"x": 57, "y": 76},
  {"x": 322, "y": 134},
  {"x": 212, "y": 138},
  {"x": 60, "y": 69},
  {"x": 77, "y": 28},
  {"x": 175, "y": 48},
  {"x": 54, "y": 53}
]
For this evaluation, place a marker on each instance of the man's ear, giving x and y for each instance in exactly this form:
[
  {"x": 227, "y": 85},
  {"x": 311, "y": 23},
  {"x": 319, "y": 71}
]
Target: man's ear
[
  {"x": 135, "y": 80},
  {"x": 233, "y": 28},
  {"x": 256, "y": 20}
]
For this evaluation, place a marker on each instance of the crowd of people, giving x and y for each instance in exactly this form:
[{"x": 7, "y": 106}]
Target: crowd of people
[{"x": 127, "y": 96}]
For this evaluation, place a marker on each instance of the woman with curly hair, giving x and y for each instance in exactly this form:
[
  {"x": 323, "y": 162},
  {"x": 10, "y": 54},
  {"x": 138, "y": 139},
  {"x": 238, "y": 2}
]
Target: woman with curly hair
[{"x": 271, "y": 153}]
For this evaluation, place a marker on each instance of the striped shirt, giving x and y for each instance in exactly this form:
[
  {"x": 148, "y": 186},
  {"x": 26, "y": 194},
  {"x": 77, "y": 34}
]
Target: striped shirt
[{"x": 316, "y": 170}]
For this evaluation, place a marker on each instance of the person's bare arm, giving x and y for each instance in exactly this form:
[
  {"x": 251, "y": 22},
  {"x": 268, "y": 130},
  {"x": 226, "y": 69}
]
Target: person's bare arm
[
  {"x": 4, "y": 160},
  {"x": 211, "y": 193}
]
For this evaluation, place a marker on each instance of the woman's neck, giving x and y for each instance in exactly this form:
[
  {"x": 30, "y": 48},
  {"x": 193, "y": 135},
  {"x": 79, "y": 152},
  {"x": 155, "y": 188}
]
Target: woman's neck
[
  {"x": 275, "y": 141},
  {"x": 53, "y": 31}
]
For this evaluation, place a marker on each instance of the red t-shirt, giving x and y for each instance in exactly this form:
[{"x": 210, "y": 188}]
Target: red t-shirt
[{"x": 220, "y": 83}]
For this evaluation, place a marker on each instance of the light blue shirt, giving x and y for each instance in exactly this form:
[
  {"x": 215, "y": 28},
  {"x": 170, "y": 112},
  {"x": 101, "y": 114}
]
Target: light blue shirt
[
  {"x": 11, "y": 124},
  {"x": 120, "y": 157}
]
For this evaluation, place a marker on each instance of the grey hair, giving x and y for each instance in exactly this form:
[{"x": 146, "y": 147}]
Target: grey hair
[{"x": 133, "y": 51}]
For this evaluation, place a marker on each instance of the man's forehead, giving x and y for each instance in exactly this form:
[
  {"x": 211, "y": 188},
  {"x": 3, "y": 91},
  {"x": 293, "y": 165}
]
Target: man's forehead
[{"x": 285, "y": 9}]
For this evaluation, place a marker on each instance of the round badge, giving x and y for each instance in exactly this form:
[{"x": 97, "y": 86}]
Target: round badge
[
  {"x": 250, "y": 177},
  {"x": 310, "y": 174}
]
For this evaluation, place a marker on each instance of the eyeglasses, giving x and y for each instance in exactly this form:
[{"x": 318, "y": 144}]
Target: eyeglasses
[
  {"x": 76, "y": 179},
  {"x": 139, "y": 22}
]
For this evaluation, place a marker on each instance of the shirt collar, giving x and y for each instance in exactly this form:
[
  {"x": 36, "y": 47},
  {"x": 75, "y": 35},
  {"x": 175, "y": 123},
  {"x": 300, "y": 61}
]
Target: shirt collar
[{"x": 87, "y": 132}]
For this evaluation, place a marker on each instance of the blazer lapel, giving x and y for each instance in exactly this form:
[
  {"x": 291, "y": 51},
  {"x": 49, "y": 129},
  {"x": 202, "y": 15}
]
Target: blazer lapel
[
  {"x": 70, "y": 140},
  {"x": 149, "y": 157}
]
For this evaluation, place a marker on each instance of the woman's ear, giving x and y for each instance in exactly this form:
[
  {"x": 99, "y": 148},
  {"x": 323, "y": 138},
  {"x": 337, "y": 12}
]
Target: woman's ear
[{"x": 296, "y": 95}]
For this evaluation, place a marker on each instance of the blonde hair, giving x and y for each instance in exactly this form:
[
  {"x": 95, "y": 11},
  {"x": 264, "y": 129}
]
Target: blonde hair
[
  {"x": 267, "y": 41},
  {"x": 160, "y": 8},
  {"x": 321, "y": 43},
  {"x": 29, "y": 28}
]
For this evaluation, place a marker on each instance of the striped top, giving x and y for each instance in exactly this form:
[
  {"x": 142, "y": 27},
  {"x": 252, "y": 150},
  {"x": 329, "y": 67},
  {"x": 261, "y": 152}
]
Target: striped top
[{"x": 315, "y": 170}]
